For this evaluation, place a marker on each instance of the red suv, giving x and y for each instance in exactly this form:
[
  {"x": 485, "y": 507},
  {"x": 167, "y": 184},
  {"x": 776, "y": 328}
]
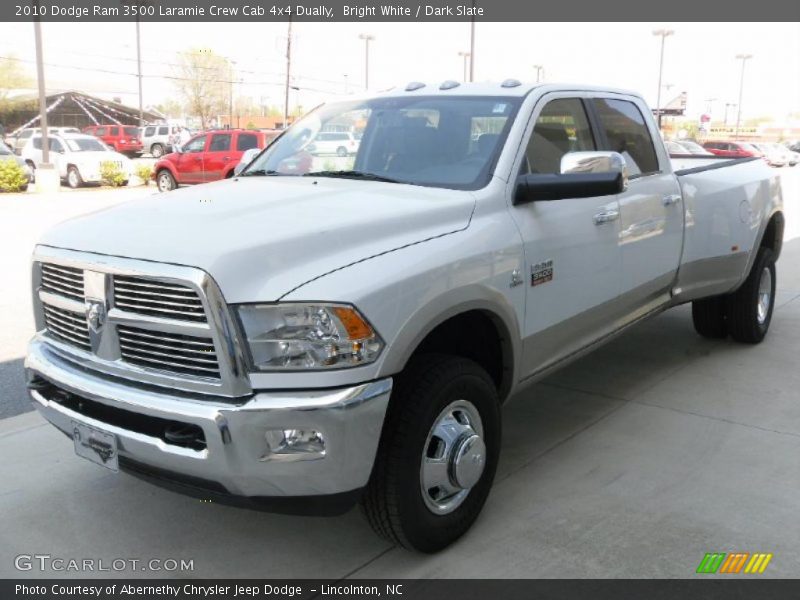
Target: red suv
[
  {"x": 732, "y": 149},
  {"x": 122, "y": 138},
  {"x": 209, "y": 156}
]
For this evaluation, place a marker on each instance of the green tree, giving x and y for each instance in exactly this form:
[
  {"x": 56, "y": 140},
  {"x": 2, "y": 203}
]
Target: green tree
[
  {"x": 170, "y": 109},
  {"x": 12, "y": 76},
  {"x": 203, "y": 81}
]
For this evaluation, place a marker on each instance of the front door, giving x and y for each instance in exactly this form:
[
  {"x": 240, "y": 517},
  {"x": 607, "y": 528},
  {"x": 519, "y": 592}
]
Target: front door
[
  {"x": 572, "y": 257},
  {"x": 190, "y": 161}
]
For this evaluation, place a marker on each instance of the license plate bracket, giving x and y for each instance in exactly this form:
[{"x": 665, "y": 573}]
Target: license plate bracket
[{"x": 95, "y": 445}]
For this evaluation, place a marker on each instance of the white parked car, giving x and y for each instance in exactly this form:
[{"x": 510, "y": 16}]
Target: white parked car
[
  {"x": 300, "y": 339},
  {"x": 334, "y": 142},
  {"x": 18, "y": 142},
  {"x": 77, "y": 156}
]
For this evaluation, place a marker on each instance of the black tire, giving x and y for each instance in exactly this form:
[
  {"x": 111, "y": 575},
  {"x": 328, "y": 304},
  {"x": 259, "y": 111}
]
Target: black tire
[
  {"x": 709, "y": 317},
  {"x": 157, "y": 150},
  {"x": 341, "y": 151},
  {"x": 745, "y": 322},
  {"x": 393, "y": 502},
  {"x": 74, "y": 179},
  {"x": 165, "y": 181},
  {"x": 124, "y": 183}
]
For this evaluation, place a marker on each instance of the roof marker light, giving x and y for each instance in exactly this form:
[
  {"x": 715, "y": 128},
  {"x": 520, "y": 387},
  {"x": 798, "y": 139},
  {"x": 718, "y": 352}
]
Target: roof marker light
[
  {"x": 414, "y": 85},
  {"x": 509, "y": 83},
  {"x": 449, "y": 85}
]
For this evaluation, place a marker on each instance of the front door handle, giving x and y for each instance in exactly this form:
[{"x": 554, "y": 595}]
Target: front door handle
[
  {"x": 671, "y": 199},
  {"x": 606, "y": 216}
]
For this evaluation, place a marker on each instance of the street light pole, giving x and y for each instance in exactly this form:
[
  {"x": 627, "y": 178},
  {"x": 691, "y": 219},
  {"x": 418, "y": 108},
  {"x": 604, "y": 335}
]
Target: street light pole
[
  {"x": 472, "y": 45},
  {"x": 664, "y": 34},
  {"x": 367, "y": 37},
  {"x": 288, "y": 75},
  {"x": 139, "y": 66},
  {"x": 744, "y": 58},
  {"x": 230, "y": 94},
  {"x": 465, "y": 55},
  {"x": 727, "y": 105}
]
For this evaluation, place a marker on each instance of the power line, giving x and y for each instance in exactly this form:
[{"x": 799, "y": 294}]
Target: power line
[{"x": 169, "y": 77}]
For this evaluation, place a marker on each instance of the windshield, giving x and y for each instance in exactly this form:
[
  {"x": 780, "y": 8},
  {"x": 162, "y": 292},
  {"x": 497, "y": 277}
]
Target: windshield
[
  {"x": 85, "y": 145},
  {"x": 450, "y": 142}
]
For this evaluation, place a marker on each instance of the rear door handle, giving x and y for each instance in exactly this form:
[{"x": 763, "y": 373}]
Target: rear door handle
[
  {"x": 671, "y": 199},
  {"x": 606, "y": 216}
]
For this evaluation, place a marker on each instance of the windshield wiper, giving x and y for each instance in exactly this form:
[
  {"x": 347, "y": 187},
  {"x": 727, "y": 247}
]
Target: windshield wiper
[
  {"x": 353, "y": 175},
  {"x": 259, "y": 172}
]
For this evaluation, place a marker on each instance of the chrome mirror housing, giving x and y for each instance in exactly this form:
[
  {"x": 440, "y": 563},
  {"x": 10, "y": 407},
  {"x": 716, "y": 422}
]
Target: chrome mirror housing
[
  {"x": 595, "y": 162},
  {"x": 246, "y": 159}
]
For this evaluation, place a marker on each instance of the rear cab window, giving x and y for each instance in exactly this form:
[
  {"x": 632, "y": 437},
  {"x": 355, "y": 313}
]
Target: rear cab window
[
  {"x": 626, "y": 132},
  {"x": 246, "y": 141}
]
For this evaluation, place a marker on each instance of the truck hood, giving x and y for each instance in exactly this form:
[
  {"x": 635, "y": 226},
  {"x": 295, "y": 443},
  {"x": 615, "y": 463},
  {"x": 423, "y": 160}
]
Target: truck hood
[{"x": 261, "y": 237}]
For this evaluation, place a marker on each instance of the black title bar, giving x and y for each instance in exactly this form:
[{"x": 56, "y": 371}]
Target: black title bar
[{"x": 395, "y": 10}]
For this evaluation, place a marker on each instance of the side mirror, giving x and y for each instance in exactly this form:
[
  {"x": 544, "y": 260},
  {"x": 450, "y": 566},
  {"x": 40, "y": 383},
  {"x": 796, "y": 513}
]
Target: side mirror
[
  {"x": 583, "y": 175},
  {"x": 246, "y": 159}
]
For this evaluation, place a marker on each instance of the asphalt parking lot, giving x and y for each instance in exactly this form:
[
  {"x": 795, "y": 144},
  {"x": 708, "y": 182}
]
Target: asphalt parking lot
[{"x": 632, "y": 462}]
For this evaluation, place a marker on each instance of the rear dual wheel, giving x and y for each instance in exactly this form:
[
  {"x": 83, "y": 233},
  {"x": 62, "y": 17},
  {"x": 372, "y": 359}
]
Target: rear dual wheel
[{"x": 745, "y": 314}]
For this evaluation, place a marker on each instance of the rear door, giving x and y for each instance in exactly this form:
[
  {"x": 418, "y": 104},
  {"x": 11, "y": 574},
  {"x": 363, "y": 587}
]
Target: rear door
[
  {"x": 218, "y": 156},
  {"x": 572, "y": 257},
  {"x": 189, "y": 165},
  {"x": 651, "y": 209}
]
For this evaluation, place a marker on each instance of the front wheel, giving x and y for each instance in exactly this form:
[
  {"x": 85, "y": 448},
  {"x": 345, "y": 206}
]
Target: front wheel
[
  {"x": 437, "y": 456},
  {"x": 74, "y": 179},
  {"x": 157, "y": 150},
  {"x": 166, "y": 182},
  {"x": 750, "y": 307},
  {"x": 341, "y": 151}
]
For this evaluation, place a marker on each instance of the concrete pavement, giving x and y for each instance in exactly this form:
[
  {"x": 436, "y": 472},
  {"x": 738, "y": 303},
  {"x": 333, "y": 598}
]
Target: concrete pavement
[{"x": 632, "y": 462}]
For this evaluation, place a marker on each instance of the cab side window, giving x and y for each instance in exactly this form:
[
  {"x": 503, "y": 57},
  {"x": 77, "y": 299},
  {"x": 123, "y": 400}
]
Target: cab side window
[
  {"x": 561, "y": 127},
  {"x": 627, "y": 133},
  {"x": 197, "y": 144}
]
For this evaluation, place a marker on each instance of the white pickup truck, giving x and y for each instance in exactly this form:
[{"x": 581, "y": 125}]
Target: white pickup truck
[{"x": 319, "y": 331}]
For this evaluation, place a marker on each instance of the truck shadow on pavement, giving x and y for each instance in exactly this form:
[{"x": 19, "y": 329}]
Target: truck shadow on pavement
[{"x": 13, "y": 396}]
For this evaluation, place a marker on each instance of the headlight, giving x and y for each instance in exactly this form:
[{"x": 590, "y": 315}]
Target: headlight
[{"x": 287, "y": 337}]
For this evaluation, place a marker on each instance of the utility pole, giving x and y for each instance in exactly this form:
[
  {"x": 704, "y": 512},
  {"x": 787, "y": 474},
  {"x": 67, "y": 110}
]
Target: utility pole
[
  {"x": 664, "y": 34},
  {"x": 728, "y": 105},
  {"x": 139, "y": 65},
  {"x": 367, "y": 37},
  {"x": 465, "y": 55},
  {"x": 288, "y": 75},
  {"x": 744, "y": 58},
  {"x": 539, "y": 72},
  {"x": 37, "y": 29},
  {"x": 230, "y": 94}
]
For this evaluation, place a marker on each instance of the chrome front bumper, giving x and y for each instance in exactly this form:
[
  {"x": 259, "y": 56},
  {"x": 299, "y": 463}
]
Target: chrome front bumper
[{"x": 236, "y": 456}]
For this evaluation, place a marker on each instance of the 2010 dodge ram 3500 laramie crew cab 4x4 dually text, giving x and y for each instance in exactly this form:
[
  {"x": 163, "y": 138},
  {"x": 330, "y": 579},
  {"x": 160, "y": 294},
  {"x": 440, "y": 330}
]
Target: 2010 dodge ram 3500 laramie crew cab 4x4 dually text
[{"x": 318, "y": 331}]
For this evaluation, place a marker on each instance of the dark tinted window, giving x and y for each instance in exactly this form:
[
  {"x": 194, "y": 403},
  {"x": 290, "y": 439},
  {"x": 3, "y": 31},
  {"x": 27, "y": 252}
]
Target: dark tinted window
[
  {"x": 561, "y": 127},
  {"x": 627, "y": 133},
  {"x": 149, "y": 131},
  {"x": 55, "y": 145},
  {"x": 246, "y": 141},
  {"x": 163, "y": 130},
  {"x": 132, "y": 131},
  {"x": 220, "y": 142},
  {"x": 113, "y": 131},
  {"x": 99, "y": 131}
]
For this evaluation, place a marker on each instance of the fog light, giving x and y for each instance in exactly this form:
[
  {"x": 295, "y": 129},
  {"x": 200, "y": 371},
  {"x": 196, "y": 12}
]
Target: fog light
[{"x": 294, "y": 444}]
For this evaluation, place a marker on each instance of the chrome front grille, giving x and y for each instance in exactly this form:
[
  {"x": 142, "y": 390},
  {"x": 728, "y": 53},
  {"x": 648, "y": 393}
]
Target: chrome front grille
[
  {"x": 149, "y": 322},
  {"x": 155, "y": 298},
  {"x": 67, "y": 326},
  {"x": 65, "y": 281},
  {"x": 188, "y": 354}
]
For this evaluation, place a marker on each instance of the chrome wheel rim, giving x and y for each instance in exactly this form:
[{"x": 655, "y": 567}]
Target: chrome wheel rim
[
  {"x": 453, "y": 457},
  {"x": 764, "y": 295},
  {"x": 72, "y": 178}
]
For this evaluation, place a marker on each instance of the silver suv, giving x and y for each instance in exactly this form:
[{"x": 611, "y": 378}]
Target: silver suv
[{"x": 158, "y": 139}]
